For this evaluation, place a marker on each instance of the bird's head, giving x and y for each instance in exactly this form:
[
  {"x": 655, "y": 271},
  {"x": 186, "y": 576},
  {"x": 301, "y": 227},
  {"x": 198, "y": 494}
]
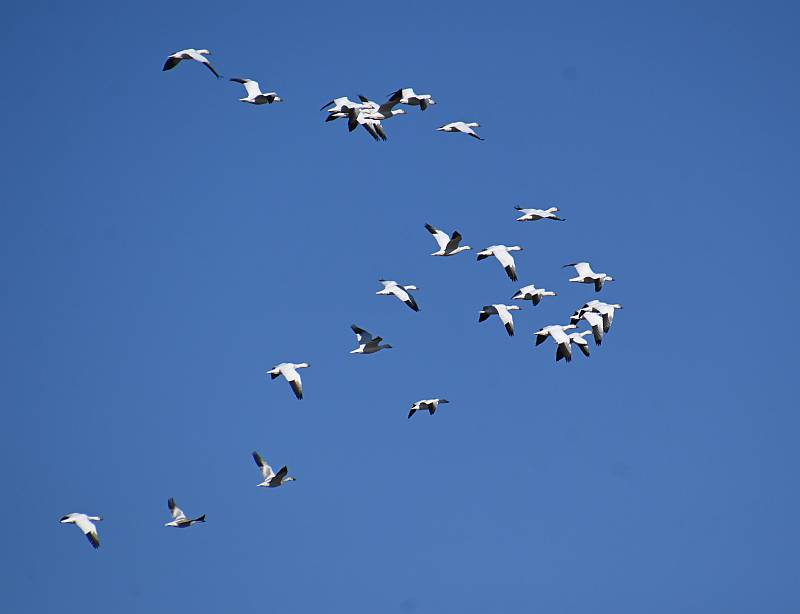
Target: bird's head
[
  {"x": 64, "y": 519},
  {"x": 203, "y": 52}
]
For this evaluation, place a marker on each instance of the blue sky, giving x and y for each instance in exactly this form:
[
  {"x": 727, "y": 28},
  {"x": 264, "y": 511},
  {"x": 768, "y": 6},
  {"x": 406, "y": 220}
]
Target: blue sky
[{"x": 163, "y": 245}]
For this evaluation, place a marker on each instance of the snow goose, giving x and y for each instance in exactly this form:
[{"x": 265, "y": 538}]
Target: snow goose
[
  {"x": 448, "y": 246},
  {"x": 504, "y": 312},
  {"x": 408, "y": 96},
  {"x": 254, "y": 93},
  {"x": 85, "y": 524},
  {"x": 587, "y": 276},
  {"x": 373, "y": 110},
  {"x": 198, "y": 55},
  {"x": 289, "y": 371},
  {"x": 272, "y": 479},
  {"x": 606, "y": 310},
  {"x": 595, "y": 320},
  {"x": 367, "y": 344},
  {"x": 426, "y": 404},
  {"x": 340, "y": 108},
  {"x": 391, "y": 287},
  {"x": 501, "y": 252},
  {"x": 561, "y": 339},
  {"x": 532, "y": 215},
  {"x": 533, "y": 294},
  {"x": 578, "y": 339},
  {"x": 462, "y": 127},
  {"x": 357, "y": 117},
  {"x": 179, "y": 519}
]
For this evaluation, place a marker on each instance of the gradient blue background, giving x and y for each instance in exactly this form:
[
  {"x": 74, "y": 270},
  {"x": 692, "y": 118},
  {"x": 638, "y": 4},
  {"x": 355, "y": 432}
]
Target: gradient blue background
[{"x": 163, "y": 245}]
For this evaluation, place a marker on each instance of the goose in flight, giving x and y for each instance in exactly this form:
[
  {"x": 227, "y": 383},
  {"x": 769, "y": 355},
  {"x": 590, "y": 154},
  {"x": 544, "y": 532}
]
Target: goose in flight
[
  {"x": 587, "y": 276},
  {"x": 179, "y": 519},
  {"x": 595, "y": 320},
  {"x": 532, "y": 215},
  {"x": 254, "y": 93},
  {"x": 85, "y": 524},
  {"x": 289, "y": 371},
  {"x": 373, "y": 110},
  {"x": 561, "y": 339},
  {"x": 272, "y": 479},
  {"x": 367, "y": 344},
  {"x": 606, "y": 310},
  {"x": 578, "y": 339},
  {"x": 504, "y": 311},
  {"x": 448, "y": 246},
  {"x": 402, "y": 292},
  {"x": 533, "y": 294},
  {"x": 462, "y": 127},
  {"x": 501, "y": 252},
  {"x": 357, "y": 117},
  {"x": 426, "y": 404},
  {"x": 340, "y": 108},
  {"x": 408, "y": 96},
  {"x": 198, "y": 55}
]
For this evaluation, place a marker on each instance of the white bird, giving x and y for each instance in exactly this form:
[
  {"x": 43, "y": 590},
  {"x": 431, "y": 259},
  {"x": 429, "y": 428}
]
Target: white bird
[
  {"x": 254, "y": 93},
  {"x": 448, "y": 246},
  {"x": 595, "y": 320},
  {"x": 504, "y": 312},
  {"x": 357, "y": 117},
  {"x": 408, "y": 97},
  {"x": 578, "y": 339},
  {"x": 561, "y": 339},
  {"x": 391, "y": 287},
  {"x": 179, "y": 519},
  {"x": 198, "y": 55},
  {"x": 532, "y": 215},
  {"x": 272, "y": 479},
  {"x": 533, "y": 294},
  {"x": 426, "y": 404},
  {"x": 501, "y": 252},
  {"x": 606, "y": 310},
  {"x": 587, "y": 276},
  {"x": 373, "y": 110},
  {"x": 85, "y": 524},
  {"x": 466, "y": 128},
  {"x": 367, "y": 344},
  {"x": 340, "y": 108},
  {"x": 289, "y": 371}
]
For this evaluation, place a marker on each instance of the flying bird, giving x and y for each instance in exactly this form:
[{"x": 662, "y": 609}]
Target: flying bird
[
  {"x": 504, "y": 312},
  {"x": 198, "y": 55},
  {"x": 367, "y": 344},
  {"x": 402, "y": 292},
  {"x": 426, "y": 404},
  {"x": 373, "y": 110},
  {"x": 272, "y": 479},
  {"x": 561, "y": 339},
  {"x": 462, "y": 127},
  {"x": 533, "y": 294},
  {"x": 606, "y": 310},
  {"x": 407, "y": 96},
  {"x": 289, "y": 371},
  {"x": 448, "y": 246},
  {"x": 357, "y": 117},
  {"x": 179, "y": 519},
  {"x": 254, "y": 93},
  {"x": 532, "y": 215},
  {"x": 501, "y": 252},
  {"x": 85, "y": 524},
  {"x": 587, "y": 276},
  {"x": 595, "y": 320},
  {"x": 578, "y": 339}
]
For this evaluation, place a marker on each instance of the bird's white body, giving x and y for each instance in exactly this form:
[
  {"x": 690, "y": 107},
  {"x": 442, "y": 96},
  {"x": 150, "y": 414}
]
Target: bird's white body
[
  {"x": 367, "y": 344},
  {"x": 561, "y": 339},
  {"x": 392, "y": 288},
  {"x": 289, "y": 371},
  {"x": 179, "y": 519},
  {"x": 501, "y": 252},
  {"x": 272, "y": 479},
  {"x": 86, "y": 524},
  {"x": 606, "y": 310},
  {"x": 254, "y": 93},
  {"x": 431, "y": 405},
  {"x": 585, "y": 275},
  {"x": 532, "y": 215},
  {"x": 373, "y": 110},
  {"x": 504, "y": 313},
  {"x": 448, "y": 245},
  {"x": 408, "y": 96},
  {"x": 533, "y": 294},
  {"x": 198, "y": 55},
  {"x": 578, "y": 339},
  {"x": 463, "y": 127},
  {"x": 359, "y": 117}
]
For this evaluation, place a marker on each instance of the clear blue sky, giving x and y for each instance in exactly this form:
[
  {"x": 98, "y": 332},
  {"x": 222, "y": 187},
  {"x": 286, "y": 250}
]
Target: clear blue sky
[{"x": 163, "y": 245}]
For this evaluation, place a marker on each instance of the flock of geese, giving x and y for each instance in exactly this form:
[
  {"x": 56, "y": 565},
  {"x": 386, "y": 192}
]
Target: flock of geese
[{"x": 597, "y": 314}]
